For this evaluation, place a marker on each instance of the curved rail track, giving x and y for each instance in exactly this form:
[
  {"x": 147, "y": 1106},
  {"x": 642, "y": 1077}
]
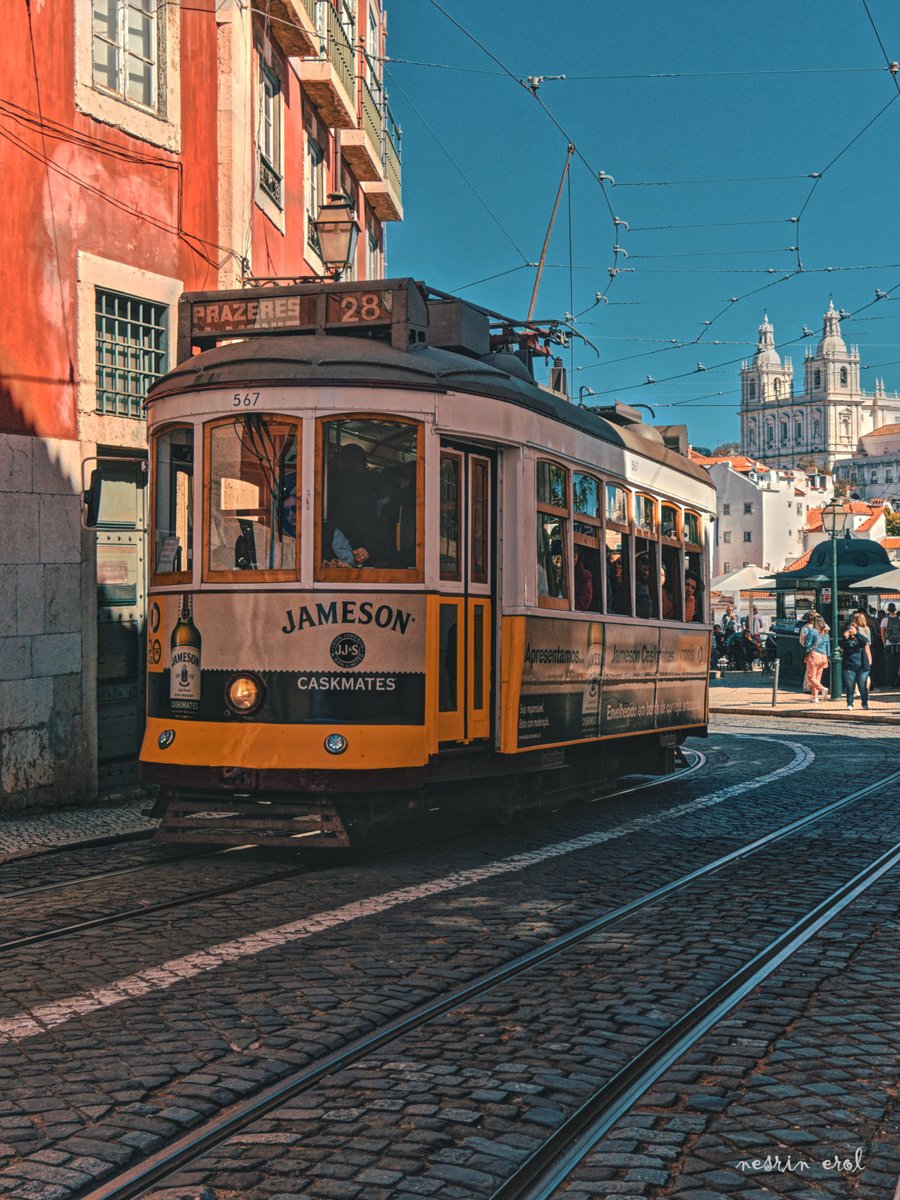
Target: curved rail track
[
  {"x": 543, "y": 1171},
  {"x": 214, "y": 893}
]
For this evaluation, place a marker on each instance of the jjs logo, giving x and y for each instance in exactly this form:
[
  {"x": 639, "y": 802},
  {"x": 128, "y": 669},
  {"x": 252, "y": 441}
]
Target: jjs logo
[{"x": 348, "y": 650}]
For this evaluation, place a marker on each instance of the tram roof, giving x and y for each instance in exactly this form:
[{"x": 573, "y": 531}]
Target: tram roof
[{"x": 331, "y": 361}]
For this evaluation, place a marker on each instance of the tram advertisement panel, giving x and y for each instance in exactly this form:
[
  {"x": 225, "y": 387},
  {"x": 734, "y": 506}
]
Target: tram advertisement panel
[
  {"x": 595, "y": 679},
  {"x": 320, "y": 657}
]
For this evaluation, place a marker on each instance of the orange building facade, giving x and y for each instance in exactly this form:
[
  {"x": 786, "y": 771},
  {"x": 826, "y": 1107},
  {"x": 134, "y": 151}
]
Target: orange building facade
[{"x": 146, "y": 148}]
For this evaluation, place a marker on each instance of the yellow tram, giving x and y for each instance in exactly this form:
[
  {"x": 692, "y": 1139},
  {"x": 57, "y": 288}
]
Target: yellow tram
[{"x": 390, "y": 570}]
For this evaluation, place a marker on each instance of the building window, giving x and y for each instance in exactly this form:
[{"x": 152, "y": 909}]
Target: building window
[
  {"x": 270, "y": 133},
  {"x": 888, "y": 475},
  {"x": 748, "y": 508},
  {"x": 726, "y": 510},
  {"x": 726, "y": 567},
  {"x": 784, "y": 433},
  {"x": 798, "y": 432},
  {"x": 726, "y": 538},
  {"x": 817, "y": 379},
  {"x": 125, "y": 50},
  {"x": 844, "y": 376},
  {"x": 777, "y": 388},
  {"x": 132, "y": 351},
  {"x": 770, "y": 435},
  {"x": 748, "y": 536},
  {"x": 799, "y": 510},
  {"x": 315, "y": 187},
  {"x": 752, "y": 390}
]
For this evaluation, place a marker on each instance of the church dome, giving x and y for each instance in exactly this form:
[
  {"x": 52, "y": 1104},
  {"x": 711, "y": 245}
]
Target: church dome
[
  {"x": 832, "y": 342},
  {"x": 766, "y": 355}
]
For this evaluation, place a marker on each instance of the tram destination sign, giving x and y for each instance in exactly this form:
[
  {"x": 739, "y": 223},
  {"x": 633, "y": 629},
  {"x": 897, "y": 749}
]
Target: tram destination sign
[{"x": 206, "y": 318}]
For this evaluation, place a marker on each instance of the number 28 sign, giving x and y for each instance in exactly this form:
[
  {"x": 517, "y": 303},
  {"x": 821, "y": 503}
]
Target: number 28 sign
[{"x": 360, "y": 308}]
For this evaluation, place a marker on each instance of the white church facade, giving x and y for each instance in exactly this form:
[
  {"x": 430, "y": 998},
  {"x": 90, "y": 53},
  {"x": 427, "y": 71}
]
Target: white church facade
[{"x": 821, "y": 423}]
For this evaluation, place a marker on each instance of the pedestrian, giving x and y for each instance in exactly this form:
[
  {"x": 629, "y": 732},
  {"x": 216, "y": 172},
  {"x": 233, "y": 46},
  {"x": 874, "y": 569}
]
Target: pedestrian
[
  {"x": 862, "y": 625},
  {"x": 756, "y": 626},
  {"x": 818, "y": 648},
  {"x": 854, "y": 649},
  {"x": 890, "y": 635}
]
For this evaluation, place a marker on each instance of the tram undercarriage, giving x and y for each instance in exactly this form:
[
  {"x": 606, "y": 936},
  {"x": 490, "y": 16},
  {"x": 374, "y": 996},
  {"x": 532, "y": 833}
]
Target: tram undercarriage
[{"x": 232, "y": 807}]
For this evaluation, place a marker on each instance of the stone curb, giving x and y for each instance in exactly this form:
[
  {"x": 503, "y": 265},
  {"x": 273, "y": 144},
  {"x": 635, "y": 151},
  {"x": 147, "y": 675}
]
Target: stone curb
[{"x": 813, "y": 714}]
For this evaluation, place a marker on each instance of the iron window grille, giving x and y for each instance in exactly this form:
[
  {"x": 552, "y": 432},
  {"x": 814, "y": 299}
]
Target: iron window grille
[{"x": 132, "y": 351}]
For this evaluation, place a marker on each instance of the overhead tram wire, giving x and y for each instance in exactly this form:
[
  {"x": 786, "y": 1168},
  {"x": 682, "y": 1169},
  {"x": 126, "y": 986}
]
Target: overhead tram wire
[
  {"x": 891, "y": 65},
  {"x": 600, "y": 177},
  {"x": 879, "y": 297},
  {"x": 526, "y": 262}
]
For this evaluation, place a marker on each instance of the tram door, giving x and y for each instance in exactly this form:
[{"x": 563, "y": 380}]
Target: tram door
[
  {"x": 465, "y": 611},
  {"x": 121, "y": 605}
]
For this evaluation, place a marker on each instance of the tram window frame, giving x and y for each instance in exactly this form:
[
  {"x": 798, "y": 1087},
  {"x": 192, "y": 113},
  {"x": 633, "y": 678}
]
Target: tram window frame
[
  {"x": 587, "y": 541},
  {"x": 479, "y": 520},
  {"x": 258, "y": 574},
  {"x": 448, "y": 574},
  {"x": 185, "y": 575},
  {"x": 693, "y": 561},
  {"x": 672, "y": 562},
  {"x": 613, "y": 526},
  {"x": 646, "y": 542},
  {"x": 562, "y": 514},
  {"x": 365, "y": 576}
]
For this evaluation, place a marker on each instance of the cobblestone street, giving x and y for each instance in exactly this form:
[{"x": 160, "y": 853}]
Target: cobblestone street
[{"x": 115, "y": 1041}]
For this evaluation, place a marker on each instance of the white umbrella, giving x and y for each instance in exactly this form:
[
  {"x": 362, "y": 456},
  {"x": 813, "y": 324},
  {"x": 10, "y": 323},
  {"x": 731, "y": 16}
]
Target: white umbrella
[
  {"x": 745, "y": 579},
  {"x": 887, "y": 581}
]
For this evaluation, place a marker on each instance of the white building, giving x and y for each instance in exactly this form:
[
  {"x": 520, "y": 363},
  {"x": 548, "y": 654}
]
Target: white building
[
  {"x": 825, "y": 420},
  {"x": 761, "y": 512},
  {"x": 873, "y": 471}
]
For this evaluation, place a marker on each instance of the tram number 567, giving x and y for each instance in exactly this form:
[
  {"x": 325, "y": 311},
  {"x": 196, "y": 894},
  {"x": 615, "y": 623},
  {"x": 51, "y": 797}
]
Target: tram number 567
[{"x": 245, "y": 400}]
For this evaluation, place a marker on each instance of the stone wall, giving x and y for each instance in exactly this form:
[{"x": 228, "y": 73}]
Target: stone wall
[{"x": 47, "y": 628}]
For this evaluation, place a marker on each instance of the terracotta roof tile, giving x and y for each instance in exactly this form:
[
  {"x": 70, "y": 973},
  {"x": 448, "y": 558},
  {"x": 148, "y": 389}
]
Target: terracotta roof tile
[{"x": 887, "y": 429}]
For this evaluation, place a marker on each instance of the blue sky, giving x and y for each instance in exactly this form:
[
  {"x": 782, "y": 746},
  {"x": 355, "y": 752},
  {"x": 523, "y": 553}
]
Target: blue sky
[{"x": 759, "y": 95}]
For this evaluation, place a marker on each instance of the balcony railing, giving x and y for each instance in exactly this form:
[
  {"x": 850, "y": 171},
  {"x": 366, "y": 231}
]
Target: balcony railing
[
  {"x": 392, "y": 155},
  {"x": 338, "y": 46},
  {"x": 310, "y": 6},
  {"x": 371, "y": 116}
]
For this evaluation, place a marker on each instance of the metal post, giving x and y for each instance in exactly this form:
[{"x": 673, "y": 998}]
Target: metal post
[
  {"x": 835, "y": 648},
  {"x": 775, "y": 671}
]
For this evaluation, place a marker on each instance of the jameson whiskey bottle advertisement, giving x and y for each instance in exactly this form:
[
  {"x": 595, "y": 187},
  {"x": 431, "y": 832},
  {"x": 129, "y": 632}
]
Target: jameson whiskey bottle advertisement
[{"x": 184, "y": 675}]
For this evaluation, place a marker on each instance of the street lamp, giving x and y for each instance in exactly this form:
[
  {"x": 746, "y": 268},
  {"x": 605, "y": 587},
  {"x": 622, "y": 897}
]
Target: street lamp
[
  {"x": 337, "y": 231},
  {"x": 835, "y": 519}
]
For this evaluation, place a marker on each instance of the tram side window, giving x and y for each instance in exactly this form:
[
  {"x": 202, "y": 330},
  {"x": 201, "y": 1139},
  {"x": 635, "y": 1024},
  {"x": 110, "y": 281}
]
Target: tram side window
[
  {"x": 618, "y": 552},
  {"x": 646, "y": 566},
  {"x": 369, "y": 515},
  {"x": 552, "y": 534},
  {"x": 252, "y": 490},
  {"x": 451, "y": 516},
  {"x": 587, "y": 589},
  {"x": 173, "y": 512},
  {"x": 671, "y": 577},
  {"x": 694, "y": 599}
]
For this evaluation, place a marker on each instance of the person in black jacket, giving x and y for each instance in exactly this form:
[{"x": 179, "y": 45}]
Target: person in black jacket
[{"x": 855, "y": 664}]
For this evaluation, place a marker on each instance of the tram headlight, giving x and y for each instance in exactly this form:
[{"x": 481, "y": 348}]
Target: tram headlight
[
  {"x": 165, "y": 739},
  {"x": 244, "y": 694},
  {"x": 335, "y": 743}
]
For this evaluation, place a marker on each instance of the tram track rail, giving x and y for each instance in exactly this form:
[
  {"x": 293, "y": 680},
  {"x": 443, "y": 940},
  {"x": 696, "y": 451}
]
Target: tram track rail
[
  {"x": 215, "y": 893},
  {"x": 610, "y": 1102}
]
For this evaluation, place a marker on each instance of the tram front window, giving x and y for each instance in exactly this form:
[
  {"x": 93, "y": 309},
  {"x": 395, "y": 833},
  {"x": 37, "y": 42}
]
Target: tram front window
[
  {"x": 253, "y": 495},
  {"x": 370, "y": 495}
]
